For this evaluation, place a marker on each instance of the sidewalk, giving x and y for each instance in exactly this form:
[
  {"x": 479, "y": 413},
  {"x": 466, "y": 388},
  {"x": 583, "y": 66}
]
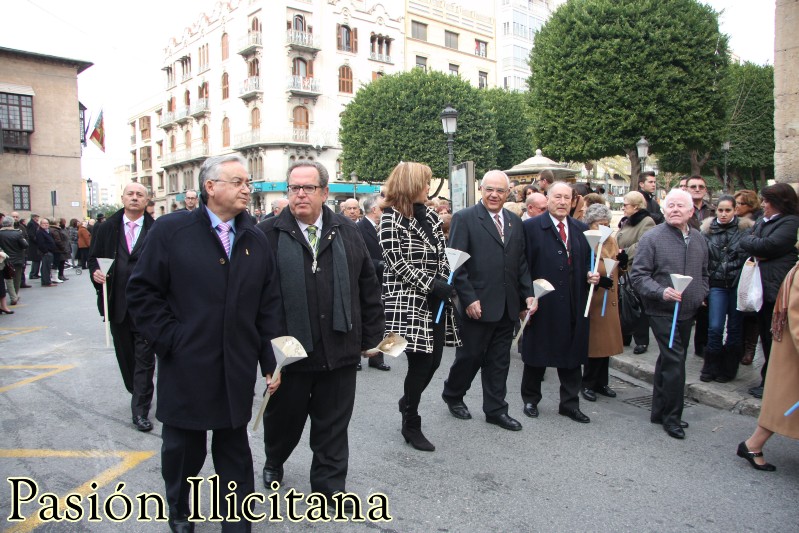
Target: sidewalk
[{"x": 732, "y": 396}]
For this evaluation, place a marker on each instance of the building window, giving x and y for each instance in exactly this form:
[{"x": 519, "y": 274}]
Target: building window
[
  {"x": 16, "y": 119},
  {"x": 345, "y": 79},
  {"x": 346, "y": 38},
  {"x": 144, "y": 128},
  {"x": 300, "y": 116},
  {"x": 419, "y": 30},
  {"x": 187, "y": 139},
  {"x": 22, "y": 197},
  {"x": 161, "y": 183},
  {"x": 225, "y": 46},
  {"x": 421, "y": 62},
  {"x": 205, "y": 133},
  {"x": 480, "y": 48},
  {"x": 187, "y": 98},
  {"x": 482, "y": 80},
  {"x": 255, "y": 119},
  {"x": 202, "y": 91},
  {"x": 225, "y": 88},
  {"x": 159, "y": 149},
  {"x": 226, "y": 132},
  {"x": 453, "y": 69},
  {"x": 377, "y": 74},
  {"x": 299, "y": 67},
  {"x": 254, "y": 68},
  {"x": 299, "y": 23},
  {"x": 451, "y": 39},
  {"x": 173, "y": 144}
]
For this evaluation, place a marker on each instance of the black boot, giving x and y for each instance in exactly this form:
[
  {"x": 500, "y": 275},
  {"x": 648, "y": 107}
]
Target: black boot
[
  {"x": 710, "y": 369},
  {"x": 412, "y": 431},
  {"x": 728, "y": 364}
]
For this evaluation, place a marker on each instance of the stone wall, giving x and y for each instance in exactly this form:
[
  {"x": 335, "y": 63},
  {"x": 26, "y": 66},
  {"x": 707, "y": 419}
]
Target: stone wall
[{"x": 786, "y": 91}]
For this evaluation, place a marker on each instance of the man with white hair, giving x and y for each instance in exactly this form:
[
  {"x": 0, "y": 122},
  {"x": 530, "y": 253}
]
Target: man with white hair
[
  {"x": 671, "y": 248},
  {"x": 535, "y": 204},
  {"x": 351, "y": 209}
]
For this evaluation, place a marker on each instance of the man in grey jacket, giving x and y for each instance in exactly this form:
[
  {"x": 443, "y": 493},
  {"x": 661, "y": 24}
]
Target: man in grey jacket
[{"x": 671, "y": 248}]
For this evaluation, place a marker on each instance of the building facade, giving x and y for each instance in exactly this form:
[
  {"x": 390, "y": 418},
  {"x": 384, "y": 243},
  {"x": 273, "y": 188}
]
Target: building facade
[
  {"x": 41, "y": 122},
  {"x": 517, "y": 23}
]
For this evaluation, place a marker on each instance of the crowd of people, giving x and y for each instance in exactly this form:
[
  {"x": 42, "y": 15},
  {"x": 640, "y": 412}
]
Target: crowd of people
[{"x": 340, "y": 282}]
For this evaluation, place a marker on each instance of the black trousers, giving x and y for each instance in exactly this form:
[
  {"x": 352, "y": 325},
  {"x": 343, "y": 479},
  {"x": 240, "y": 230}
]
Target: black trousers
[
  {"x": 764, "y": 326},
  {"x": 45, "y": 266},
  {"x": 668, "y": 393},
  {"x": 327, "y": 397},
  {"x": 136, "y": 364},
  {"x": 35, "y": 266},
  {"x": 421, "y": 368},
  {"x": 183, "y": 453},
  {"x": 641, "y": 332},
  {"x": 595, "y": 372},
  {"x": 486, "y": 347},
  {"x": 700, "y": 332},
  {"x": 570, "y": 380}
]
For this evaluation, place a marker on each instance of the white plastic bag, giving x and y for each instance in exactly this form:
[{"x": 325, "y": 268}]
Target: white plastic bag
[{"x": 750, "y": 288}]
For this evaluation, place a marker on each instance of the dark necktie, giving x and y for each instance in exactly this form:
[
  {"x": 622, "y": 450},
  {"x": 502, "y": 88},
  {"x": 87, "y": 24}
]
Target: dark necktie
[
  {"x": 499, "y": 227},
  {"x": 562, "y": 231}
]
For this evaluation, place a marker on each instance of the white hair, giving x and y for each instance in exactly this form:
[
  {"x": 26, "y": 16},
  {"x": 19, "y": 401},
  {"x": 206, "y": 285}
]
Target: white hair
[
  {"x": 491, "y": 173},
  {"x": 678, "y": 193}
]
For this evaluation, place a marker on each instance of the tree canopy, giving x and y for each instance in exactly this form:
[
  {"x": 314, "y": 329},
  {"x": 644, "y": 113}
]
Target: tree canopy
[
  {"x": 397, "y": 118},
  {"x": 606, "y": 72},
  {"x": 513, "y": 123}
]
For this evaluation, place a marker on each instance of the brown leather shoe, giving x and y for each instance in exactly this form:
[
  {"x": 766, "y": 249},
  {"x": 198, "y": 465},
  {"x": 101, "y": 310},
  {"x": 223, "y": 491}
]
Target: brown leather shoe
[{"x": 747, "y": 359}]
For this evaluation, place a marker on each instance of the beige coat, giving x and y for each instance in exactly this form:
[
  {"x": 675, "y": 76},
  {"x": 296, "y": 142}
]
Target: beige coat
[
  {"x": 782, "y": 379},
  {"x": 628, "y": 236},
  {"x": 604, "y": 338}
]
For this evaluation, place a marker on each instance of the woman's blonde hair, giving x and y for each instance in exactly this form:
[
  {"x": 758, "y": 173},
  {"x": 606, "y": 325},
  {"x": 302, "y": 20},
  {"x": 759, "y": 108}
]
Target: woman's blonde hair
[
  {"x": 635, "y": 199},
  {"x": 404, "y": 184}
]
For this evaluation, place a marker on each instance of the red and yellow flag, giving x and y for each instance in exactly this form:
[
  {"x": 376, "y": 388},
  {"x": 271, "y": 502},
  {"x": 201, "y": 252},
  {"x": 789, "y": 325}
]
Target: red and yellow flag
[{"x": 98, "y": 134}]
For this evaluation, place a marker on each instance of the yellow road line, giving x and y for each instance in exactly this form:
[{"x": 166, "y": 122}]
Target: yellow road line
[
  {"x": 55, "y": 370},
  {"x": 18, "y": 331},
  {"x": 129, "y": 461}
]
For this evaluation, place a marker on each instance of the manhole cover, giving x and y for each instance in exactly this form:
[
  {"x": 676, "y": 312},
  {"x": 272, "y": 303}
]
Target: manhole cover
[{"x": 645, "y": 402}]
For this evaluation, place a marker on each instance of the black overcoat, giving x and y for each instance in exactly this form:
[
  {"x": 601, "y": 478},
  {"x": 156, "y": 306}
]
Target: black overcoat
[
  {"x": 557, "y": 335},
  {"x": 210, "y": 319},
  {"x": 370, "y": 238}
]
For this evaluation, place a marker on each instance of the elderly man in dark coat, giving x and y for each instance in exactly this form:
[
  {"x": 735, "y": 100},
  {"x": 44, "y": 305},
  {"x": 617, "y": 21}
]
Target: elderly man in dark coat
[
  {"x": 557, "y": 333},
  {"x": 204, "y": 294},
  {"x": 332, "y": 304}
]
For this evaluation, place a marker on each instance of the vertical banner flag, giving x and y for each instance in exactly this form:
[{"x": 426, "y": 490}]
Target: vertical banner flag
[{"x": 98, "y": 134}]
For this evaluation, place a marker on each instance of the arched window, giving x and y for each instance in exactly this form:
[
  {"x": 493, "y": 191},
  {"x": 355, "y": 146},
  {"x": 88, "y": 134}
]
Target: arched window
[
  {"x": 173, "y": 144},
  {"x": 253, "y": 68},
  {"x": 205, "y": 133},
  {"x": 202, "y": 90},
  {"x": 225, "y": 46},
  {"x": 345, "y": 79},
  {"x": 225, "y": 89},
  {"x": 187, "y": 138},
  {"x": 226, "y": 132},
  {"x": 299, "y": 67},
  {"x": 187, "y": 98},
  {"x": 255, "y": 119},
  {"x": 299, "y": 23},
  {"x": 346, "y": 38}
]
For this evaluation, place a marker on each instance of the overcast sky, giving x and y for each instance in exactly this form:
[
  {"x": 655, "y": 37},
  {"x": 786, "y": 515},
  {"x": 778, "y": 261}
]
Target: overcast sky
[{"x": 125, "y": 41}]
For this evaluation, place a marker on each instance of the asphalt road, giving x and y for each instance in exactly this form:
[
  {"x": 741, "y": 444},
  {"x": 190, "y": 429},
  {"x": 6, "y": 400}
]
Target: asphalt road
[{"x": 66, "y": 422}]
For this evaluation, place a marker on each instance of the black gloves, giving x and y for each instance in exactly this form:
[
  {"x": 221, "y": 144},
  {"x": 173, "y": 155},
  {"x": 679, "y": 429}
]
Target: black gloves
[
  {"x": 442, "y": 290},
  {"x": 623, "y": 260},
  {"x": 605, "y": 282}
]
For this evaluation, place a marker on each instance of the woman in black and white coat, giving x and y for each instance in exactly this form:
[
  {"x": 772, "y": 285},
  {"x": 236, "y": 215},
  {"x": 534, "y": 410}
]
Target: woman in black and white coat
[{"x": 414, "y": 285}]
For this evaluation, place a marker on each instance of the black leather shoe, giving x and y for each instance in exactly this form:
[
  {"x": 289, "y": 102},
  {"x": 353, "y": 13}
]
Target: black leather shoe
[
  {"x": 757, "y": 392},
  {"x": 26, "y": 286},
  {"x": 640, "y": 348},
  {"x": 504, "y": 421},
  {"x": 589, "y": 395},
  {"x": 181, "y": 525},
  {"x": 142, "y": 423},
  {"x": 272, "y": 473},
  {"x": 683, "y": 423},
  {"x": 606, "y": 391},
  {"x": 575, "y": 414},
  {"x": 459, "y": 410},
  {"x": 531, "y": 410},
  {"x": 382, "y": 366},
  {"x": 675, "y": 432}
]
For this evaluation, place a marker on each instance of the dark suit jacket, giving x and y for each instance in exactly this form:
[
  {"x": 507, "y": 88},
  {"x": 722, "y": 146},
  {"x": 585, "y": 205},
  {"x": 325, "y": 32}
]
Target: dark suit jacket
[
  {"x": 497, "y": 272},
  {"x": 369, "y": 233},
  {"x": 558, "y": 332}
]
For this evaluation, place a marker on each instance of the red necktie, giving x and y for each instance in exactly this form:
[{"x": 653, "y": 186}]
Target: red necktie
[{"x": 562, "y": 231}]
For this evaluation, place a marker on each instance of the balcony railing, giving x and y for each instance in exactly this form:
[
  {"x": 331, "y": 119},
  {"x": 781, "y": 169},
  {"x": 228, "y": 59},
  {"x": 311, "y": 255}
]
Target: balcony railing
[
  {"x": 250, "y": 43},
  {"x": 284, "y": 136},
  {"x": 383, "y": 58},
  {"x": 133, "y": 139},
  {"x": 302, "y": 40},
  {"x": 250, "y": 88},
  {"x": 182, "y": 115},
  {"x": 197, "y": 150},
  {"x": 200, "y": 108},
  {"x": 167, "y": 119},
  {"x": 300, "y": 85},
  {"x": 186, "y": 77},
  {"x": 203, "y": 68}
]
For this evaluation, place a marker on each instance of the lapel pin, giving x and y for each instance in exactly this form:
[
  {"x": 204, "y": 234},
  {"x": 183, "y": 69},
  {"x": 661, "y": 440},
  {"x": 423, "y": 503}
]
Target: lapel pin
[{"x": 247, "y": 251}]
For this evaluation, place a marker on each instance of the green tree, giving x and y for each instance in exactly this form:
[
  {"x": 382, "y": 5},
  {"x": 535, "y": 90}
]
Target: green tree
[
  {"x": 514, "y": 140},
  {"x": 606, "y": 72},
  {"x": 397, "y": 118}
]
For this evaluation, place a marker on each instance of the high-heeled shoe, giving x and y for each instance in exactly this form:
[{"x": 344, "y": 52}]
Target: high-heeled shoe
[
  {"x": 743, "y": 451},
  {"x": 8, "y": 312}
]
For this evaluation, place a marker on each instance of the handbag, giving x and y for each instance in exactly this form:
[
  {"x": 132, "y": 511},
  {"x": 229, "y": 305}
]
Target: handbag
[
  {"x": 750, "y": 287},
  {"x": 629, "y": 305},
  {"x": 8, "y": 271}
]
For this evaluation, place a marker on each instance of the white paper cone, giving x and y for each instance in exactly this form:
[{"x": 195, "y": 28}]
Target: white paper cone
[
  {"x": 593, "y": 236},
  {"x": 541, "y": 287},
  {"x": 605, "y": 232},
  {"x": 456, "y": 258},
  {"x": 610, "y": 264},
  {"x": 680, "y": 282},
  {"x": 393, "y": 345},
  {"x": 287, "y": 350}
]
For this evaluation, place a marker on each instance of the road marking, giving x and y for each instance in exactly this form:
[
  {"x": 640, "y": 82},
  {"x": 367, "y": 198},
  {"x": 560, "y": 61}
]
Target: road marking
[
  {"x": 129, "y": 461},
  {"x": 5, "y": 333},
  {"x": 55, "y": 369}
]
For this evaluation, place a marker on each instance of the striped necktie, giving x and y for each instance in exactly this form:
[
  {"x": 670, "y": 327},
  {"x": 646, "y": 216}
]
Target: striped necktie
[
  {"x": 499, "y": 227},
  {"x": 224, "y": 236},
  {"x": 312, "y": 240}
]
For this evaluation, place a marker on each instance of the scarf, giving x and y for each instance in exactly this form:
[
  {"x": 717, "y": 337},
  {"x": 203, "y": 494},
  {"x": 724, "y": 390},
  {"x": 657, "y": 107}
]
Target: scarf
[{"x": 780, "y": 317}]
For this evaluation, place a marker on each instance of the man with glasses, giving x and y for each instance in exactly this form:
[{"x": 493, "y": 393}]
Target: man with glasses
[
  {"x": 205, "y": 296},
  {"x": 702, "y": 210},
  {"x": 333, "y": 307},
  {"x": 190, "y": 200},
  {"x": 535, "y": 204},
  {"x": 493, "y": 286},
  {"x": 647, "y": 185}
]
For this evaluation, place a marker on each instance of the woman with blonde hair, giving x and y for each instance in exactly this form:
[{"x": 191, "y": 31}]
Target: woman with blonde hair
[{"x": 414, "y": 285}]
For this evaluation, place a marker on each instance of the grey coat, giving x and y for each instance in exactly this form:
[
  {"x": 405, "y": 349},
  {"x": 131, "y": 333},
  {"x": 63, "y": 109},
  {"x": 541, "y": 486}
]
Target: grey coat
[{"x": 662, "y": 252}]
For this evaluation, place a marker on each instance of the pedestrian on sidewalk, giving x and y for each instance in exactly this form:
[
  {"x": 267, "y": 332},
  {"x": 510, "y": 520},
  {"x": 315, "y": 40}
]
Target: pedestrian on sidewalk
[
  {"x": 671, "y": 248},
  {"x": 46, "y": 248},
  {"x": 723, "y": 234},
  {"x": 34, "y": 254},
  {"x": 747, "y": 205},
  {"x": 773, "y": 242},
  {"x": 14, "y": 244}
]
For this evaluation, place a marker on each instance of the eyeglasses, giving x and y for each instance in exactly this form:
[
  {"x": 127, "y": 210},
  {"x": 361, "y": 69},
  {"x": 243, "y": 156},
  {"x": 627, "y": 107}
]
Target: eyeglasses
[
  {"x": 697, "y": 187},
  {"x": 307, "y": 189},
  {"x": 238, "y": 184},
  {"x": 490, "y": 190}
]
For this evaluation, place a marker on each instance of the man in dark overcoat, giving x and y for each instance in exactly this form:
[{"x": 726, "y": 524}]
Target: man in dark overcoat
[
  {"x": 369, "y": 226},
  {"x": 557, "y": 333},
  {"x": 493, "y": 287},
  {"x": 122, "y": 239},
  {"x": 205, "y": 296},
  {"x": 332, "y": 305}
]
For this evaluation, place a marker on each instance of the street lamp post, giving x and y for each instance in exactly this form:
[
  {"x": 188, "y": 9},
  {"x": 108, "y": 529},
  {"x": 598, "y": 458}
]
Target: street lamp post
[
  {"x": 726, "y": 149},
  {"x": 643, "y": 150},
  {"x": 89, "y": 184},
  {"x": 449, "y": 121},
  {"x": 354, "y": 178}
]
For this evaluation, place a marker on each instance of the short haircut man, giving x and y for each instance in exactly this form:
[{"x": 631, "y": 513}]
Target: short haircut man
[
  {"x": 671, "y": 248},
  {"x": 697, "y": 188},
  {"x": 278, "y": 206},
  {"x": 190, "y": 199},
  {"x": 535, "y": 204},
  {"x": 647, "y": 185},
  {"x": 545, "y": 180},
  {"x": 204, "y": 294},
  {"x": 335, "y": 311},
  {"x": 351, "y": 209}
]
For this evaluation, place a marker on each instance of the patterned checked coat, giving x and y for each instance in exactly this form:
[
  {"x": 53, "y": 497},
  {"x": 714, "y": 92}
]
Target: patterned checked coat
[{"x": 412, "y": 262}]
